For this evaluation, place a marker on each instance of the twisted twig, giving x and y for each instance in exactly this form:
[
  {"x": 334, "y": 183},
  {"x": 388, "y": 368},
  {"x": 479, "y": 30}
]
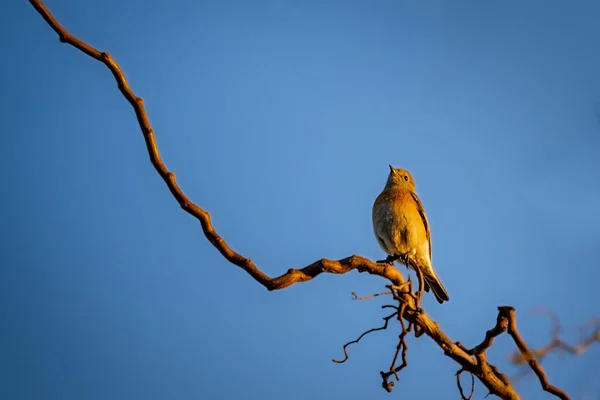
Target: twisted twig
[
  {"x": 460, "y": 389},
  {"x": 385, "y": 325}
]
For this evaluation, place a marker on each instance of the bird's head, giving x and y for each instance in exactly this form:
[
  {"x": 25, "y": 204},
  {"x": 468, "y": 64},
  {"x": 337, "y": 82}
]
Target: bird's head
[{"x": 399, "y": 178}]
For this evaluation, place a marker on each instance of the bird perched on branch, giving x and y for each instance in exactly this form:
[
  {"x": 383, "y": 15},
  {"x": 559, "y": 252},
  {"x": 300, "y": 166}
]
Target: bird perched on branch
[{"x": 402, "y": 229}]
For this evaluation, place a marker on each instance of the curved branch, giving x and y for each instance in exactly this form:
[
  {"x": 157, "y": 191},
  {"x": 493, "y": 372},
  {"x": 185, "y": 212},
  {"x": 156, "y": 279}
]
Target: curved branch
[
  {"x": 381, "y": 328},
  {"x": 557, "y": 343},
  {"x": 460, "y": 388},
  {"x": 292, "y": 275},
  {"x": 535, "y": 366}
]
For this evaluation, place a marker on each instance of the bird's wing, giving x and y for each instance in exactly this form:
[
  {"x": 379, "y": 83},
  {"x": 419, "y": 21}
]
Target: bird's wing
[
  {"x": 424, "y": 218},
  {"x": 380, "y": 211}
]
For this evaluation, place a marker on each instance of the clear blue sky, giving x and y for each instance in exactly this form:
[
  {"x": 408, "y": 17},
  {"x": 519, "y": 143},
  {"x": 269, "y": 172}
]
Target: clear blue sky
[{"x": 280, "y": 118}]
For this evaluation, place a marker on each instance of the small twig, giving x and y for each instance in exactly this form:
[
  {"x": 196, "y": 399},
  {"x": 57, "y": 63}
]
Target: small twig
[
  {"x": 460, "y": 389},
  {"x": 370, "y": 296},
  {"x": 490, "y": 335},
  {"x": 400, "y": 288},
  {"x": 402, "y": 346},
  {"x": 386, "y": 319}
]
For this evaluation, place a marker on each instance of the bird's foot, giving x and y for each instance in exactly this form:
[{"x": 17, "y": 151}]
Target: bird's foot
[
  {"x": 389, "y": 260},
  {"x": 403, "y": 258}
]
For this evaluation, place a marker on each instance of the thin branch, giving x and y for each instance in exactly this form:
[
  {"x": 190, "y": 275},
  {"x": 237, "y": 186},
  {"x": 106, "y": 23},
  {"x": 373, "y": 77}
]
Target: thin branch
[
  {"x": 370, "y": 296},
  {"x": 385, "y": 325},
  {"x": 557, "y": 343},
  {"x": 535, "y": 366},
  {"x": 292, "y": 275},
  {"x": 401, "y": 347},
  {"x": 490, "y": 335}
]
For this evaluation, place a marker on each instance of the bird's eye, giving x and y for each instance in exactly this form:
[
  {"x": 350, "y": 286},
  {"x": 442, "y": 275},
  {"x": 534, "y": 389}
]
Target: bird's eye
[{"x": 406, "y": 178}]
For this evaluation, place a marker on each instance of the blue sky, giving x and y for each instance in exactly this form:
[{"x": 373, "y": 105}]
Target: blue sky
[{"x": 280, "y": 118}]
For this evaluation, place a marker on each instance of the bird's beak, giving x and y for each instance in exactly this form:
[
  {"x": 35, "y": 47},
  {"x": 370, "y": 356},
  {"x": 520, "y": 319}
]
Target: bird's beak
[{"x": 391, "y": 168}]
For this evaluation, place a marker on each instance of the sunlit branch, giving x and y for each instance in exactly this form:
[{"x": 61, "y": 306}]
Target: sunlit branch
[{"x": 590, "y": 334}]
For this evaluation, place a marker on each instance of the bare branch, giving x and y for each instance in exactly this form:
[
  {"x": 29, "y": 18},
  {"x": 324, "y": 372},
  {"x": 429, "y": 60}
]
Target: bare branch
[
  {"x": 387, "y": 320},
  {"x": 401, "y": 347},
  {"x": 557, "y": 343},
  {"x": 292, "y": 275},
  {"x": 355, "y": 296},
  {"x": 535, "y": 366}
]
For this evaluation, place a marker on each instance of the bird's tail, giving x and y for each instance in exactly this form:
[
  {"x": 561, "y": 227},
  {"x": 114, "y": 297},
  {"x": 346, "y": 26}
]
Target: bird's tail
[{"x": 431, "y": 280}]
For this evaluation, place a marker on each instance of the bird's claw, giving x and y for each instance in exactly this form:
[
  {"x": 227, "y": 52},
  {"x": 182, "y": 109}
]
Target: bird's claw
[
  {"x": 403, "y": 259},
  {"x": 389, "y": 260}
]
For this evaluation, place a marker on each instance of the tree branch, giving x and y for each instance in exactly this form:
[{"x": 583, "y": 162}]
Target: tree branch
[
  {"x": 535, "y": 366},
  {"x": 292, "y": 275},
  {"x": 473, "y": 361},
  {"x": 557, "y": 343}
]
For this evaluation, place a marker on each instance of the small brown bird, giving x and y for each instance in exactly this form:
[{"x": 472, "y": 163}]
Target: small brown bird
[{"x": 402, "y": 229}]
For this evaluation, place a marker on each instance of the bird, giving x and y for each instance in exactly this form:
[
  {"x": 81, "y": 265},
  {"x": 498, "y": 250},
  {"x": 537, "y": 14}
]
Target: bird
[{"x": 402, "y": 229}]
